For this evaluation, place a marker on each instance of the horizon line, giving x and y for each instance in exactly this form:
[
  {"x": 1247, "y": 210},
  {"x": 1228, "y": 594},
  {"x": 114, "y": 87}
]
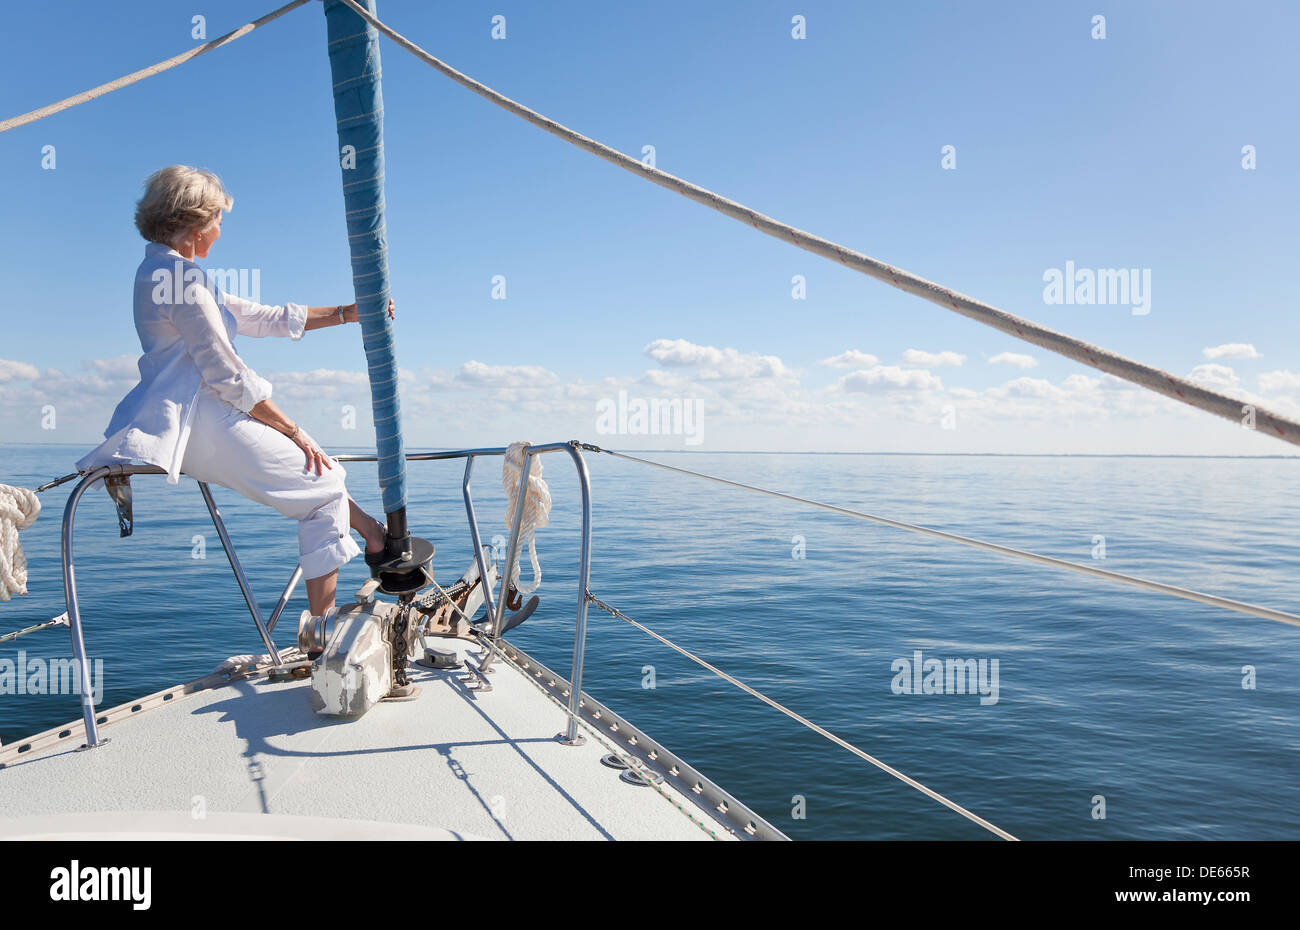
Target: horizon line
[{"x": 1136, "y": 455}]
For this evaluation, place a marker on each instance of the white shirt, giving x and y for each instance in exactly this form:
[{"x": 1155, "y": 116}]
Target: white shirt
[{"x": 187, "y": 327}]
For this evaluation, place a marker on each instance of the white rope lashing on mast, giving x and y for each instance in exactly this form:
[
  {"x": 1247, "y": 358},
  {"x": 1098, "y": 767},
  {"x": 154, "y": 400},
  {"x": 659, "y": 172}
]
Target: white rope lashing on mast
[
  {"x": 19, "y": 508},
  {"x": 537, "y": 511}
]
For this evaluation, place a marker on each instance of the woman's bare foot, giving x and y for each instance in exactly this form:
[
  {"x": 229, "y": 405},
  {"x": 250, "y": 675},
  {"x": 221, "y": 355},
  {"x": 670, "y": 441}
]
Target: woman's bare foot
[
  {"x": 374, "y": 535},
  {"x": 370, "y": 529}
]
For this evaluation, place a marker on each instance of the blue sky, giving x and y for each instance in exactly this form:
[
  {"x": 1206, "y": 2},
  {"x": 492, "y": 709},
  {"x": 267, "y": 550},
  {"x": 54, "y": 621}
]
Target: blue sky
[{"x": 1122, "y": 152}]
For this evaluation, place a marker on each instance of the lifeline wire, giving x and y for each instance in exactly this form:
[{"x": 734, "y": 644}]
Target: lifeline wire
[
  {"x": 929, "y": 792},
  {"x": 1213, "y": 600},
  {"x": 61, "y": 620}
]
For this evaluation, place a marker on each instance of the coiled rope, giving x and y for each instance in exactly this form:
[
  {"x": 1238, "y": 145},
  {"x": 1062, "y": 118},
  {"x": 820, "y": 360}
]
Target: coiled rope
[
  {"x": 1147, "y": 376},
  {"x": 19, "y": 508},
  {"x": 537, "y": 511},
  {"x": 134, "y": 76}
]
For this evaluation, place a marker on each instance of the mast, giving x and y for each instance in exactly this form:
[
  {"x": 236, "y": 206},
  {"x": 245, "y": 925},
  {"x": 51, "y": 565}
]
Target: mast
[{"x": 359, "y": 114}]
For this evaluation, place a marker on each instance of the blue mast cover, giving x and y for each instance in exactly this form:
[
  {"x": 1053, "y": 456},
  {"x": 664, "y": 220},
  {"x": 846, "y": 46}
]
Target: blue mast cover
[{"x": 359, "y": 112}]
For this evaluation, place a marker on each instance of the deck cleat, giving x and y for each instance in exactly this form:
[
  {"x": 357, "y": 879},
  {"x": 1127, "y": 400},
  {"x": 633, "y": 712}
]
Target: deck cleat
[{"x": 440, "y": 659}]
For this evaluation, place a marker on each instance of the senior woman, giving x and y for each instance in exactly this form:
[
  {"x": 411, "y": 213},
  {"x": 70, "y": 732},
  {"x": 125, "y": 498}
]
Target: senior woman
[{"x": 200, "y": 410}]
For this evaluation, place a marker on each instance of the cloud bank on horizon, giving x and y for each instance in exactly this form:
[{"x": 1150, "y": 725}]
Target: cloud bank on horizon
[{"x": 744, "y": 400}]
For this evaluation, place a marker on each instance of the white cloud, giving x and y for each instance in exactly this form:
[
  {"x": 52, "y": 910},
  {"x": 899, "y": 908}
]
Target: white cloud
[
  {"x": 1079, "y": 382},
  {"x": 1078, "y": 398},
  {"x": 1231, "y": 350},
  {"x": 320, "y": 384},
  {"x": 11, "y": 370},
  {"x": 1031, "y": 387},
  {"x": 437, "y": 378},
  {"x": 712, "y": 364},
  {"x": 850, "y": 359},
  {"x": 915, "y": 358},
  {"x": 745, "y": 404},
  {"x": 1274, "y": 382},
  {"x": 890, "y": 378},
  {"x": 657, "y": 377},
  {"x": 121, "y": 366},
  {"x": 319, "y": 377},
  {"x": 512, "y": 375},
  {"x": 1214, "y": 376},
  {"x": 1014, "y": 359}
]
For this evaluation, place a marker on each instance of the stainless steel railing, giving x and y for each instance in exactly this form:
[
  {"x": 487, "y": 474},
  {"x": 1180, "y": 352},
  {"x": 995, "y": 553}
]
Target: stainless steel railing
[
  {"x": 495, "y": 606},
  {"x": 70, "y": 583}
]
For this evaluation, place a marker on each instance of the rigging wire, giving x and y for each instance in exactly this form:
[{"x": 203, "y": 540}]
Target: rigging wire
[
  {"x": 907, "y": 780},
  {"x": 1159, "y": 587}
]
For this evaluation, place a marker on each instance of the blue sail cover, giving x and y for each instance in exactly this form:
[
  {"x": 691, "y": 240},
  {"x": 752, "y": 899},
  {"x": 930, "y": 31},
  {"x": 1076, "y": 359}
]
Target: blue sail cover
[{"x": 359, "y": 111}]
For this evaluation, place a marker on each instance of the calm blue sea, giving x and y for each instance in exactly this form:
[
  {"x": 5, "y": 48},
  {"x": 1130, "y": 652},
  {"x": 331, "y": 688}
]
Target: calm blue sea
[{"x": 1104, "y": 692}]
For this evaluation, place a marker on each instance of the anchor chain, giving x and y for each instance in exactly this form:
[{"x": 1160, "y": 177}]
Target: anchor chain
[{"x": 400, "y": 626}]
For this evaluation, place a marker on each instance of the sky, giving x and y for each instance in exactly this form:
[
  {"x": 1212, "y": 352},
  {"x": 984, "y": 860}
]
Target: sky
[{"x": 983, "y": 146}]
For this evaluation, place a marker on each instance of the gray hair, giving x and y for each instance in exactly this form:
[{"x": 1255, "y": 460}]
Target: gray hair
[{"x": 178, "y": 199}]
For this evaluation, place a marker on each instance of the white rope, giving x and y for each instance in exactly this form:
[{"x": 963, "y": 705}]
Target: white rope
[
  {"x": 134, "y": 76},
  {"x": 19, "y": 508},
  {"x": 241, "y": 663},
  {"x": 537, "y": 511},
  {"x": 1147, "y": 376}
]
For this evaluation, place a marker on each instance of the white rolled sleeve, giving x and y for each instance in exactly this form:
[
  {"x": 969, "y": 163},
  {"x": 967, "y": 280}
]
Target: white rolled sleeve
[
  {"x": 260, "y": 320},
  {"x": 200, "y": 324}
]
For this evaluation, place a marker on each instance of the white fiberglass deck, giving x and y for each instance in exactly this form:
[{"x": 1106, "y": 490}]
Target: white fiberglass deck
[{"x": 476, "y": 765}]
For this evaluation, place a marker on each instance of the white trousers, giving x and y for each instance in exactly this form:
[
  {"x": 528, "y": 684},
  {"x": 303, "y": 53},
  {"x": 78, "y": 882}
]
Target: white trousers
[{"x": 228, "y": 447}]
